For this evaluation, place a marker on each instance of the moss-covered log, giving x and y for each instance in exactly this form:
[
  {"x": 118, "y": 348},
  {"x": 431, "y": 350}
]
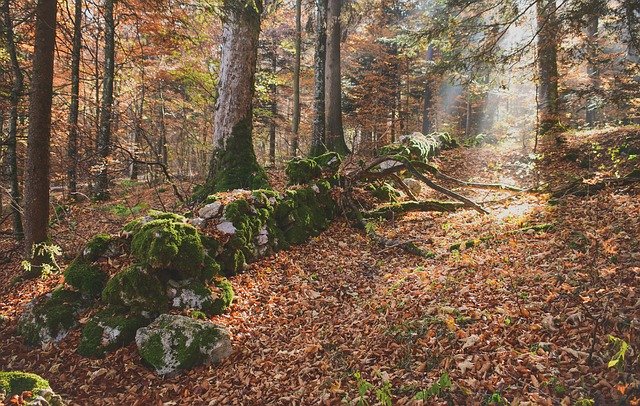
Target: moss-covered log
[{"x": 393, "y": 210}]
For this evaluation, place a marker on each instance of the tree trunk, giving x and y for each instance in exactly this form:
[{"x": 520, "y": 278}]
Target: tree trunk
[
  {"x": 334, "y": 129},
  {"x": 295, "y": 123},
  {"x": 274, "y": 109},
  {"x": 592, "y": 70},
  {"x": 101, "y": 191},
  {"x": 12, "y": 150},
  {"x": 547, "y": 65},
  {"x": 72, "y": 146},
  {"x": 234, "y": 164},
  {"x": 163, "y": 152},
  {"x": 318, "y": 135},
  {"x": 427, "y": 96},
  {"x": 38, "y": 142}
]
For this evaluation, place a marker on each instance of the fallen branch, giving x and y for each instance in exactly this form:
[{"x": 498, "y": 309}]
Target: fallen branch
[{"x": 392, "y": 210}]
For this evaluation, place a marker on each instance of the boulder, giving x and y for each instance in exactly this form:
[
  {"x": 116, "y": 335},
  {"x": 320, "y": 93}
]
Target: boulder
[
  {"x": 137, "y": 290},
  {"x": 195, "y": 295},
  {"x": 49, "y": 318},
  {"x": 175, "y": 343},
  {"x": 16, "y": 383},
  {"x": 109, "y": 330}
]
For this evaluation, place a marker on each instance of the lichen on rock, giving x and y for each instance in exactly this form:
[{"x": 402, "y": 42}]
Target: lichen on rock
[
  {"x": 195, "y": 295},
  {"x": 49, "y": 318},
  {"x": 173, "y": 343}
]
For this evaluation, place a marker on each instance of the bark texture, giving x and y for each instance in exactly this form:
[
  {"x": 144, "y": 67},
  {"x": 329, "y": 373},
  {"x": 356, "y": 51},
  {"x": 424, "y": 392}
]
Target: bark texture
[
  {"x": 333, "y": 92},
  {"x": 12, "y": 145},
  {"x": 38, "y": 143},
  {"x": 233, "y": 164},
  {"x": 318, "y": 135},
  {"x": 101, "y": 191},
  {"x": 547, "y": 65},
  {"x": 72, "y": 143},
  {"x": 295, "y": 122}
]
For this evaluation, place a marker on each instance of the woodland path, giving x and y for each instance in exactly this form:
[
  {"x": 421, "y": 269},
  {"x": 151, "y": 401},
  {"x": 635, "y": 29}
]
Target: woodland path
[{"x": 512, "y": 317}]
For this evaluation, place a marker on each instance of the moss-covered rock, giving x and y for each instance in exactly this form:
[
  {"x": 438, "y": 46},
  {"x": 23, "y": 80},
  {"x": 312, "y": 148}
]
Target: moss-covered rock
[
  {"x": 169, "y": 244},
  {"x": 301, "y": 171},
  {"x": 419, "y": 147},
  {"x": 173, "y": 343},
  {"x": 195, "y": 295},
  {"x": 109, "y": 330},
  {"x": 384, "y": 191},
  {"x": 50, "y": 317},
  {"x": 17, "y": 383},
  {"x": 136, "y": 289},
  {"x": 98, "y": 246},
  {"x": 86, "y": 277}
]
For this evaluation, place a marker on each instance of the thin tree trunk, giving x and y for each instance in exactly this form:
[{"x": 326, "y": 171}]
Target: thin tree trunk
[
  {"x": 234, "y": 164},
  {"x": 101, "y": 191},
  {"x": 334, "y": 129},
  {"x": 547, "y": 65},
  {"x": 295, "y": 123},
  {"x": 12, "y": 136},
  {"x": 592, "y": 70},
  {"x": 72, "y": 146},
  {"x": 163, "y": 152},
  {"x": 427, "y": 97},
  {"x": 318, "y": 134},
  {"x": 274, "y": 109},
  {"x": 38, "y": 142}
]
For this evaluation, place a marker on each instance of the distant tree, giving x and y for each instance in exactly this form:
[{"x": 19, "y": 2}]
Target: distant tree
[
  {"x": 36, "y": 191},
  {"x": 16, "y": 93},
  {"x": 427, "y": 97},
  {"x": 334, "y": 130},
  {"x": 233, "y": 163},
  {"x": 103, "y": 144},
  {"x": 295, "y": 120}
]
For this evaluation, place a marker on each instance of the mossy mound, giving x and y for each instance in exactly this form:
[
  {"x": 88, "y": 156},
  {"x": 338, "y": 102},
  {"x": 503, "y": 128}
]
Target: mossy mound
[
  {"x": 301, "y": 171},
  {"x": 86, "y": 277},
  {"x": 173, "y": 343},
  {"x": 384, "y": 191},
  {"x": 50, "y": 317},
  {"x": 20, "y": 383},
  {"x": 169, "y": 244},
  {"x": 137, "y": 290},
  {"x": 303, "y": 213},
  {"x": 195, "y": 295},
  {"x": 109, "y": 330},
  {"x": 97, "y": 247},
  {"x": 419, "y": 147}
]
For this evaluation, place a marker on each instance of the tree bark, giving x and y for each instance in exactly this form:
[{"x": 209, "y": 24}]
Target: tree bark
[
  {"x": 38, "y": 140},
  {"x": 427, "y": 96},
  {"x": 547, "y": 65},
  {"x": 334, "y": 129},
  {"x": 274, "y": 108},
  {"x": 295, "y": 122},
  {"x": 16, "y": 93},
  {"x": 234, "y": 164},
  {"x": 72, "y": 145},
  {"x": 592, "y": 70},
  {"x": 101, "y": 191},
  {"x": 318, "y": 134}
]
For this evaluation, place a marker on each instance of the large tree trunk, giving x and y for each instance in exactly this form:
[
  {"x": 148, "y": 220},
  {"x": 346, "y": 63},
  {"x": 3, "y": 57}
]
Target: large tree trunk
[
  {"x": 318, "y": 134},
  {"x": 101, "y": 191},
  {"x": 16, "y": 93},
  {"x": 334, "y": 129},
  {"x": 592, "y": 70},
  {"x": 295, "y": 123},
  {"x": 72, "y": 146},
  {"x": 427, "y": 97},
  {"x": 547, "y": 65},
  {"x": 233, "y": 164},
  {"x": 38, "y": 158}
]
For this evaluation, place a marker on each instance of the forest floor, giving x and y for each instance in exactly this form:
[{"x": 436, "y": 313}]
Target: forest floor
[{"x": 521, "y": 317}]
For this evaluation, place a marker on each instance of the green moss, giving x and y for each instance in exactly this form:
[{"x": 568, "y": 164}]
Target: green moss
[
  {"x": 109, "y": 330},
  {"x": 87, "y": 278},
  {"x": 235, "y": 166},
  {"x": 196, "y": 295},
  {"x": 301, "y": 171},
  {"x": 384, "y": 191},
  {"x": 169, "y": 244},
  {"x": 97, "y": 247},
  {"x": 135, "y": 289},
  {"x": 225, "y": 295},
  {"x": 329, "y": 160},
  {"x": 16, "y": 382},
  {"x": 50, "y": 317},
  {"x": 419, "y": 147},
  {"x": 304, "y": 213},
  {"x": 153, "y": 352}
]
